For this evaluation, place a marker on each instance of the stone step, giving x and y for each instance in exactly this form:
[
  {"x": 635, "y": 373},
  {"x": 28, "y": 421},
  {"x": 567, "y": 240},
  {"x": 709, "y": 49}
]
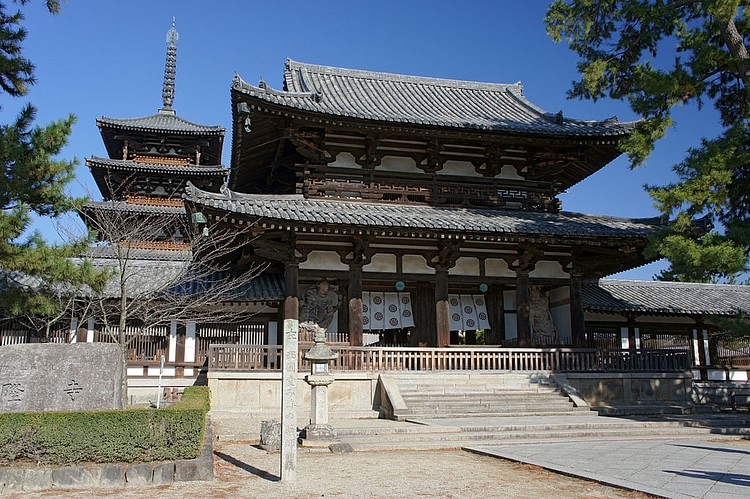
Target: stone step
[
  {"x": 499, "y": 397},
  {"x": 508, "y": 413},
  {"x": 462, "y": 444},
  {"x": 652, "y": 409},
  {"x": 495, "y": 380},
  {"x": 522, "y": 435},
  {"x": 462, "y": 390},
  {"x": 419, "y": 427},
  {"x": 493, "y": 406}
]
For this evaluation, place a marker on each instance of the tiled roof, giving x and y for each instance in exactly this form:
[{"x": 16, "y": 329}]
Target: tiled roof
[
  {"x": 122, "y": 206},
  {"x": 160, "y": 122},
  {"x": 674, "y": 298},
  {"x": 295, "y": 208},
  {"x": 264, "y": 287},
  {"x": 104, "y": 255},
  {"x": 419, "y": 100},
  {"x": 119, "y": 164},
  {"x": 149, "y": 272}
]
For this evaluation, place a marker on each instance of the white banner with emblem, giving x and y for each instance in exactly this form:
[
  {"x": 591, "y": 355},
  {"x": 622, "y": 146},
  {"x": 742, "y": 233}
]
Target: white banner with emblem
[
  {"x": 468, "y": 312},
  {"x": 386, "y": 311}
]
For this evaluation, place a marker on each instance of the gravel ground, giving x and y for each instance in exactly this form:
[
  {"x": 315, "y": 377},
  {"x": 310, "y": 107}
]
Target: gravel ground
[{"x": 244, "y": 470}]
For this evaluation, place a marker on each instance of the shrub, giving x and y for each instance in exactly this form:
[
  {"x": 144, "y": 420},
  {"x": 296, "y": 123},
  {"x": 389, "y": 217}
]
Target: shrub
[{"x": 130, "y": 435}]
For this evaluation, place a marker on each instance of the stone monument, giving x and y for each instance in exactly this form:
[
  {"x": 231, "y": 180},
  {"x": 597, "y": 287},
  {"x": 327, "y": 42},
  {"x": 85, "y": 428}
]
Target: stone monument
[{"x": 60, "y": 377}]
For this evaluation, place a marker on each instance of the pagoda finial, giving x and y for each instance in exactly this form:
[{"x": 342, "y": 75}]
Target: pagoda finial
[{"x": 170, "y": 68}]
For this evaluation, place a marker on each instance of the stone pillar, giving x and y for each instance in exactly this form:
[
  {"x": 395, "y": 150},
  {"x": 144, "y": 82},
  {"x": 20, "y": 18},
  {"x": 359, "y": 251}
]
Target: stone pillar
[
  {"x": 291, "y": 291},
  {"x": 522, "y": 308},
  {"x": 355, "y": 306},
  {"x": 289, "y": 373},
  {"x": 577, "y": 318},
  {"x": 442, "y": 310},
  {"x": 288, "y": 456}
]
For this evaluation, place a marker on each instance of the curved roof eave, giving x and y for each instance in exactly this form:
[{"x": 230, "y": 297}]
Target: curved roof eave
[
  {"x": 160, "y": 122},
  {"x": 390, "y": 98}
]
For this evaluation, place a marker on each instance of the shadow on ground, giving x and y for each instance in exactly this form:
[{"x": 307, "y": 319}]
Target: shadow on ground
[{"x": 247, "y": 467}]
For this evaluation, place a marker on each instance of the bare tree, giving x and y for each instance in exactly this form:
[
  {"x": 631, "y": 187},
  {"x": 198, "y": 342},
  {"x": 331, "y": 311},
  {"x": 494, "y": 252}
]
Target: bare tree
[{"x": 164, "y": 267}]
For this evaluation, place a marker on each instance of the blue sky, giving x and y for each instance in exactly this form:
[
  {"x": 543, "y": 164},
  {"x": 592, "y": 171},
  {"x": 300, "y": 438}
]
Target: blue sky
[{"x": 103, "y": 58}]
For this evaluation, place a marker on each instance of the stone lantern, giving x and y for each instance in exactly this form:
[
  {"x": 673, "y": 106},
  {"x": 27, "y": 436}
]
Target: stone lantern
[{"x": 318, "y": 432}]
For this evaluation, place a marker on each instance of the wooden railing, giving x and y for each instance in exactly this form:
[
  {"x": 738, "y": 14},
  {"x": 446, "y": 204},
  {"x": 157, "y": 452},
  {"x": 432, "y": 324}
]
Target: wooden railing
[{"x": 268, "y": 358}]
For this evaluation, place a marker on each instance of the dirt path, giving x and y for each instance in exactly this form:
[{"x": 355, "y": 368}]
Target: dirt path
[{"x": 243, "y": 470}]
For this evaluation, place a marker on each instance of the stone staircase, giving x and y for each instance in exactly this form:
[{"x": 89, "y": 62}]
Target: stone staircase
[
  {"x": 413, "y": 396},
  {"x": 429, "y": 411},
  {"x": 482, "y": 432}
]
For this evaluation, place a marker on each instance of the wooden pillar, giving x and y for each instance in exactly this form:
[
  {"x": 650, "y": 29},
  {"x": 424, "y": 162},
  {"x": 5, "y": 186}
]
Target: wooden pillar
[
  {"x": 291, "y": 290},
  {"x": 496, "y": 316},
  {"x": 355, "y": 305},
  {"x": 442, "y": 310},
  {"x": 523, "y": 327},
  {"x": 577, "y": 318},
  {"x": 423, "y": 308},
  {"x": 704, "y": 360}
]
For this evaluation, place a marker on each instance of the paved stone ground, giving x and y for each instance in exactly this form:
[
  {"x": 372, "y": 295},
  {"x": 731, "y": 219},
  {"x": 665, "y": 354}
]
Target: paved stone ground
[
  {"x": 244, "y": 471},
  {"x": 701, "y": 466},
  {"x": 710, "y": 467}
]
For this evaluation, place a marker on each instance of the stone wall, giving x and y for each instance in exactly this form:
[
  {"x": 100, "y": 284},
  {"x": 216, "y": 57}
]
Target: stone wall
[
  {"x": 600, "y": 389},
  {"x": 351, "y": 393}
]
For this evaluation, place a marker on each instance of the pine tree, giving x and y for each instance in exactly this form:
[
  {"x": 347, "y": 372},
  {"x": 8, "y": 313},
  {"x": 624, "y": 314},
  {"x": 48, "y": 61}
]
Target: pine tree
[
  {"x": 657, "y": 56},
  {"x": 33, "y": 273}
]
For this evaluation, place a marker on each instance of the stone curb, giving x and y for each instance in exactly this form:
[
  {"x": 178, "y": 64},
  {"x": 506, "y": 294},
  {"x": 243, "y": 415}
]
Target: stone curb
[{"x": 16, "y": 479}]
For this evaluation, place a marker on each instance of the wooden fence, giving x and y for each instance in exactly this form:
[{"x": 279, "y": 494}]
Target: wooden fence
[{"x": 268, "y": 358}]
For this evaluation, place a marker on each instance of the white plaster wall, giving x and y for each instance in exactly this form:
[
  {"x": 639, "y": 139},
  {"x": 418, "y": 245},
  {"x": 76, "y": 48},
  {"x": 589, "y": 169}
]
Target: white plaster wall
[
  {"x": 624, "y": 338},
  {"x": 344, "y": 160},
  {"x": 465, "y": 266},
  {"x": 381, "y": 262},
  {"x": 497, "y": 267},
  {"x": 459, "y": 168},
  {"x": 168, "y": 371},
  {"x": 548, "y": 268},
  {"x": 73, "y": 333},
  {"x": 90, "y": 330},
  {"x": 415, "y": 264},
  {"x": 509, "y": 172},
  {"x": 509, "y": 300},
  {"x": 189, "y": 342},
  {"x": 323, "y": 260},
  {"x": 172, "y": 356},
  {"x": 398, "y": 164}
]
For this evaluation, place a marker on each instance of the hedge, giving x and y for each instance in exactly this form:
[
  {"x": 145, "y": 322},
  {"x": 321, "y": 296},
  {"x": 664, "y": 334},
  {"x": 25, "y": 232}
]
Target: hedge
[{"x": 129, "y": 435}]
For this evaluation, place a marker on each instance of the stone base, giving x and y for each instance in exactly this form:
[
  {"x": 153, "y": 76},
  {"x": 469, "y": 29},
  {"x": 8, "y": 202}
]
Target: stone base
[{"x": 320, "y": 435}]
